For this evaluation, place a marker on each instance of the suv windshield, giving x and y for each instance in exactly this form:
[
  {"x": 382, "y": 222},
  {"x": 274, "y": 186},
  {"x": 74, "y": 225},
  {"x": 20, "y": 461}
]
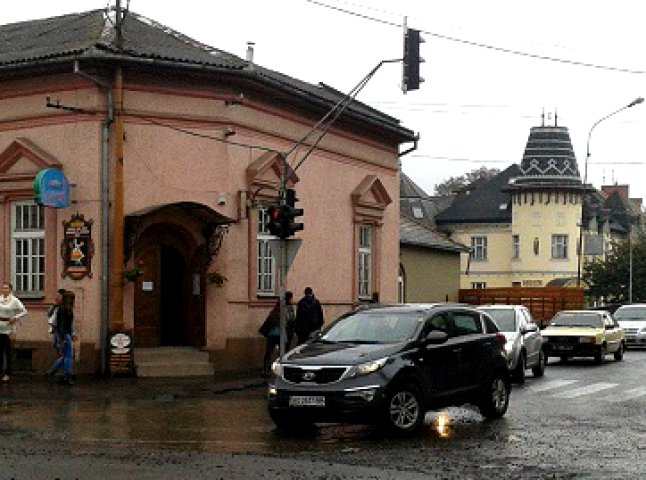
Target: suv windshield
[
  {"x": 578, "y": 320},
  {"x": 630, "y": 313},
  {"x": 504, "y": 318},
  {"x": 375, "y": 327}
]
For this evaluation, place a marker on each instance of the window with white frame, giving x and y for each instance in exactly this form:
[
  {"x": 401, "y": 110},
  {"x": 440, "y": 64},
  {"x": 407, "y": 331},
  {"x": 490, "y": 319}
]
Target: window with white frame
[
  {"x": 478, "y": 285},
  {"x": 266, "y": 261},
  {"x": 559, "y": 246},
  {"x": 515, "y": 246},
  {"x": 365, "y": 261},
  {"x": 28, "y": 249},
  {"x": 479, "y": 248}
]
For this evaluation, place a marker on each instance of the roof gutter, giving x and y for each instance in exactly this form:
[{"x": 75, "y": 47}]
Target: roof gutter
[{"x": 411, "y": 149}]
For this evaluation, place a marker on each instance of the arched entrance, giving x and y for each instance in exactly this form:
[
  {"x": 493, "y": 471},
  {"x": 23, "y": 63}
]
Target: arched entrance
[{"x": 169, "y": 295}]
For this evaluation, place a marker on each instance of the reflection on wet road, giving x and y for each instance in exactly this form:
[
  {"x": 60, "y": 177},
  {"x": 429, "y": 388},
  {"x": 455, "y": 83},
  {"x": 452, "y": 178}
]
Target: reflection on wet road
[{"x": 233, "y": 422}]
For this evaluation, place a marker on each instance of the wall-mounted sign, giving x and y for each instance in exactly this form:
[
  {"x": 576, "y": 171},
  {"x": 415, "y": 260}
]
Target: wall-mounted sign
[
  {"x": 120, "y": 353},
  {"x": 77, "y": 248},
  {"x": 52, "y": 189}
]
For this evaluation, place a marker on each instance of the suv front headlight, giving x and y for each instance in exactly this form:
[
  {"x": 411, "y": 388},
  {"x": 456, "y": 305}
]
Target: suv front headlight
[
  {"x": 277, "y": 368},
  {"x": 367, "y": 368}
]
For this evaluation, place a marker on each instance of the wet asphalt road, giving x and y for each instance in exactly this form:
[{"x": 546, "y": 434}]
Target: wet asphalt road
[{"x": 579, "y": 421}]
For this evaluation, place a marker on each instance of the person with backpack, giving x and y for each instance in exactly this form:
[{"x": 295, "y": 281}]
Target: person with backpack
[{"x": 309, "y": 315}]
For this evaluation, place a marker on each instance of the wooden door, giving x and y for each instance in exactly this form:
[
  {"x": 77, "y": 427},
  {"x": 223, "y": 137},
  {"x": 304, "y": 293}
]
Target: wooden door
[{"x": 147, "y": 300}]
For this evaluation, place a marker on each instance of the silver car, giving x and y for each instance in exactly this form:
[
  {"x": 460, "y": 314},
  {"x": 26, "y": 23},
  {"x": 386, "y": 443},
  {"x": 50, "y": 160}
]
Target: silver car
[
  {"x": 632, "y": 318},
  {"x": 524, "y": 346}
]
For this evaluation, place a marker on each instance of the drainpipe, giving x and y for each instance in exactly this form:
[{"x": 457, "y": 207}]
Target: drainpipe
[{"x": 105, "y": 214}]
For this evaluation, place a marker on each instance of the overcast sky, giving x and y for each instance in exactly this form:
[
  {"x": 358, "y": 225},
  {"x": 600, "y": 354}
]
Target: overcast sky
[{"x": 479, "y": 100}]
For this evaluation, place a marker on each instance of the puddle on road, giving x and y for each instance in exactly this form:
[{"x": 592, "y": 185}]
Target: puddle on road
[{"x": 228, "y": 423}]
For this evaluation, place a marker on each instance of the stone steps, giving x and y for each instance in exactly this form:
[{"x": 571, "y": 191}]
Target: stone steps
[{"x": 172, "y": 362}]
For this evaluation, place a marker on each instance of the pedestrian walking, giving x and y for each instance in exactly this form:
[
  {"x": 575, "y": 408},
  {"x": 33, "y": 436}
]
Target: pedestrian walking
[
  {"x": 270, "y": 329},
  {"x": 309, "y": 315},
  {"x": 64, "y": 332},
  {"x": 51, "y": 314},
  {"x": 11, "y": 309}
]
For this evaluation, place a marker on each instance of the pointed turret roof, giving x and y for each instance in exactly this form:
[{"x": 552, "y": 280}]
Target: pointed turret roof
[{"x": 549, "y": 158}]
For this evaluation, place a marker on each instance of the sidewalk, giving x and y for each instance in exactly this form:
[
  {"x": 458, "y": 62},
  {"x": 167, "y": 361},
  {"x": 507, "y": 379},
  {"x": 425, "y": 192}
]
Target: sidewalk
[{"x": 37, "y": 387}]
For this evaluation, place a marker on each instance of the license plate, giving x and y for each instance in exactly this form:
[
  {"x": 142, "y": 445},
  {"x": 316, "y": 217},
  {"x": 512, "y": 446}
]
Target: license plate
[
  {"x": 562, "y": 347},
  {"x": 307, "y": 401}
]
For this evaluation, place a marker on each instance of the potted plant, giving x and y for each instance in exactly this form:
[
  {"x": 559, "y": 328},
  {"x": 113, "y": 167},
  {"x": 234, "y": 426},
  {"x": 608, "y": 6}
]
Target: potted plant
[
  {"x": 216, "y": 278},
  {"x": 132, "y": 274}
]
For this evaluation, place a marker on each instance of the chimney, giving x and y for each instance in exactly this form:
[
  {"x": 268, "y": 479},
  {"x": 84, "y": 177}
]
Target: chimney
[{"x": 250, "y": 51}]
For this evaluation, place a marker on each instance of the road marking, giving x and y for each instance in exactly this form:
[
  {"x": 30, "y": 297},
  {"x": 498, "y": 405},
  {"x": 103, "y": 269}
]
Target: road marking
[
  {"x": 552, "y": 384},
  {"x": 577, "y": 392},
  {"x": 626, "y": 395}
]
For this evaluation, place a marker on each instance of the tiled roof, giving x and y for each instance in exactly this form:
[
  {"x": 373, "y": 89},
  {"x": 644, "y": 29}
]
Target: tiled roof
[
  {"x": 415, "y": 203},
  {"x": 549, "y": 157},
  {"x": 91, "y": 35},
  {"x": 487, "y": 203},
  {"x": 416, "y": 234}
]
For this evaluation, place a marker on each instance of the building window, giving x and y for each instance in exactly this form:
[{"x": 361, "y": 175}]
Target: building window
[
  {"x": 478, "y": 285},
  {"x": 266, "y": 271},
  {"x": 559, "y": 246},
  {"x": 515, "y": 246},
  {"x": 418, "y": 212},
  {"x": 365, "y": 261},
  {"x": 28, "y": 249},
  {"x": 479, "y": 248}
]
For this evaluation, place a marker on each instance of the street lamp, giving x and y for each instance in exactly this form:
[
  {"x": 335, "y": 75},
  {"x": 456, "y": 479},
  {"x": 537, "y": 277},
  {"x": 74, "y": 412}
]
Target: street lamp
[{"x": 637, "y": 101}]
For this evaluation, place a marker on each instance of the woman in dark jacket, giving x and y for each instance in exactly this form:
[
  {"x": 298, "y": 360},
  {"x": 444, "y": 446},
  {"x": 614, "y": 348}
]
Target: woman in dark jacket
[{"x": 64, "y": 337}]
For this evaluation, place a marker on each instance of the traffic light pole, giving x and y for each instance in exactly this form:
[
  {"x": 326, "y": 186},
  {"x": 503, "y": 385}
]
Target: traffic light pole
[
  {"x": 282, "y": 288},
  {"x": 282, "y": 283}
]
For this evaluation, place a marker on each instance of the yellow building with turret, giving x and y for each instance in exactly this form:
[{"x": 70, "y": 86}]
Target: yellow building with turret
[{"x": 523, "y": 225}]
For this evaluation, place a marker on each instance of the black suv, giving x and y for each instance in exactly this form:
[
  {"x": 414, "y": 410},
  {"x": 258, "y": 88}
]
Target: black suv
[{"x": 388, "y": 365}]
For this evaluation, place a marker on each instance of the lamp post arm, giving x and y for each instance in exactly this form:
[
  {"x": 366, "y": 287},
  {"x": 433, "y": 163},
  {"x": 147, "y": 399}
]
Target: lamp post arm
[{"x": 637, "y": 101}]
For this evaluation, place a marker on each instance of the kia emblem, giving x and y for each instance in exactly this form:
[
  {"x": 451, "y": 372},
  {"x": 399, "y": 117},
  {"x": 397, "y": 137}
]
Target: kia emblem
[{"x": 308, "y": 376}]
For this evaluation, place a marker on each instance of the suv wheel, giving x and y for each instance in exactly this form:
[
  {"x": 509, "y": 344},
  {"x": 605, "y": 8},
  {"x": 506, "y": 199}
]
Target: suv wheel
[
  {"x": 519, "y": 372},
  {"x": 539, "y": 369},
  {"x": 495, "y": 396},
  {"x": 404, "y": 412},
  {"x": 619, "y": 354}
]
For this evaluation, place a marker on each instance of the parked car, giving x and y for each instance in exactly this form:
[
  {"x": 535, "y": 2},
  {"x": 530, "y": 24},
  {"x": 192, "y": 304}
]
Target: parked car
[
  {"x": 584, "y": 333},
  {"x": 524, "y": 347},
  {"x": 632, "y": 318},
  {"x": 388, "y": 365}
]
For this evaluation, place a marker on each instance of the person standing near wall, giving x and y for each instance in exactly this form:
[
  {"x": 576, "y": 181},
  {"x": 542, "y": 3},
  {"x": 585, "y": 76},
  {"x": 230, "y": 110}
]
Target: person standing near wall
[
  {"x": 270, "y": 329},
  {"x": 309, "y": 315},
  {"x": 11, "y": 309},
  {"x": 65, "y": 337}
]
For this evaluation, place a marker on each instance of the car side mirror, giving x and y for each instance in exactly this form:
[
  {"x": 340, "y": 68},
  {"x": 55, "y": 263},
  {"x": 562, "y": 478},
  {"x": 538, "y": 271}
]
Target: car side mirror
[
  {"x": 435, "y": 337},
  {"x": 530, "y": 327}
]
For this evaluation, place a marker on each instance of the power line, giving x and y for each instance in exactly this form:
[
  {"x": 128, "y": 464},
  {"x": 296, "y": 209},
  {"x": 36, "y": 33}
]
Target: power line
[
  {"x": 201, "y": 135},
  {"x": 509, "y": 162},
  {"x": 495, "y": 48}
]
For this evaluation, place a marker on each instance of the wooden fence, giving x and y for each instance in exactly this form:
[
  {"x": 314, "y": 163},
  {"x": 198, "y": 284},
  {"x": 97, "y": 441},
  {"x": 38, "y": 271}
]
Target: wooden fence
[{"x": 542, "y": 302}]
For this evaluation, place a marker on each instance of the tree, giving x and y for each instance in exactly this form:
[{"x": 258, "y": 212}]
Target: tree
[
  {"x": 450, "y": 186},
  {"x": 610, "y": 278}
]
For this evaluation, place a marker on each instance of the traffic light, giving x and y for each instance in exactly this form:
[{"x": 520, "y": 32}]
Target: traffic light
[
  {"x": 280, "y": 220},
  {"x": 411, "y": 78},
  {"x": 290, "y": 226},
  {"x": 274, "y": 221}
]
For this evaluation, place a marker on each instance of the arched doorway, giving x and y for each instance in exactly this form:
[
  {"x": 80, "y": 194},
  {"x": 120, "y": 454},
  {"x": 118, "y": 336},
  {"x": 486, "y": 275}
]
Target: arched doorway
[{"x": 169, "y": 295}]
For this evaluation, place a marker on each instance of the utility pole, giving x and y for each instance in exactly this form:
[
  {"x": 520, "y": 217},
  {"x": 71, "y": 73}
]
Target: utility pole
[{"x": 116, "y": 307}]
